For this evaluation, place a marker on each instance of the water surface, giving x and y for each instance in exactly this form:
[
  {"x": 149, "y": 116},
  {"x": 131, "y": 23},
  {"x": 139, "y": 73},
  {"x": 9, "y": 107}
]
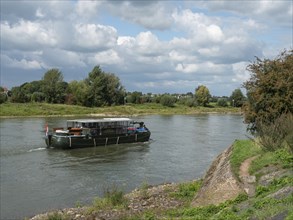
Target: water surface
[{"x": 35, "y": 179}]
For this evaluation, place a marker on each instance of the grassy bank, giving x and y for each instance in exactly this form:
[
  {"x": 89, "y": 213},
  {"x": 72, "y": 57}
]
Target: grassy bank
[
  {"x": 273, "y": 195},
  {"x": 45, "y": 109}
]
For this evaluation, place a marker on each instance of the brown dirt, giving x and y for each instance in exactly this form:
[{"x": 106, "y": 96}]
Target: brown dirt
[
  {"x": 243, "y": 171},
  {"x": 247, "y": 180}
]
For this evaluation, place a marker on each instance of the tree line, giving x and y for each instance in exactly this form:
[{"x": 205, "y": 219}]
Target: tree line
[{"x": 105, "y": 89}]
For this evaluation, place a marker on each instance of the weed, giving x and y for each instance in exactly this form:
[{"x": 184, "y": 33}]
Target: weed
[
  {"x": 78, "y": 204},
  {"x": 57, "y": 216},
  {"x": 187, "y": 190},
  {"x": 282, "y": 157},
  {"x": 274, "y": 185},
  {"x": 149, "y": 216},
  {"x": 144, "y": 190},
  {"x": 115, "y": 197}
]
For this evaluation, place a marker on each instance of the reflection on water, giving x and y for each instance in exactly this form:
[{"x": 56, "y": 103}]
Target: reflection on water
[{"x": 35, "y": 179}]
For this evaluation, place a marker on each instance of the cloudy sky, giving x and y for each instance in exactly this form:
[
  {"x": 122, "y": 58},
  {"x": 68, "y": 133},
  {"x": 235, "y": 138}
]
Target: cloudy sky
[{"x": 152, "y": 46}]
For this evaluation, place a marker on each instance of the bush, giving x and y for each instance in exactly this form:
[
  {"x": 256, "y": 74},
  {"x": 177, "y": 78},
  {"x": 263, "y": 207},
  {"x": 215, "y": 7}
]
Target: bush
[
  {"x": 191, "y": 102},
  {"x": 222, "y": 103},
  {"x": 269, "y": 91},
  {"x": 3, "y": 98},
  {"x": 273, "y": 135},
  {"x": 115, "y": 197},
  {"x": 167, "y": 100}
]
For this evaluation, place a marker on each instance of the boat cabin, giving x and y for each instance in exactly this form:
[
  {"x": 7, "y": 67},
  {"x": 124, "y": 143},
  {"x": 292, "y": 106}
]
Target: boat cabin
[{"x": 105, "y": 126}]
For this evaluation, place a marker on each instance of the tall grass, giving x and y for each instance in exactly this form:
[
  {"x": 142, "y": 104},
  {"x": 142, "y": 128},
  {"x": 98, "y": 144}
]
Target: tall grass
[{"x": 274, "y": 135}]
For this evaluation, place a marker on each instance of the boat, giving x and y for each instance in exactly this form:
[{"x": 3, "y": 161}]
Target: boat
[{"x": 82, "y": 133}]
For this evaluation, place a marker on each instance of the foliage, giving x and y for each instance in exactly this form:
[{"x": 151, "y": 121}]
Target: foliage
[
  {"x": 187, "y": 101},
  {"x": 103, "y": 89},
  {"x": 273, "y": 186},
  {"x": 113, "y": 197},
  {"x": 222, "y": 102},
  {"x": 144, "y": 190},
  {"x": 269, "y": 90},
  {"x": 4, "y": 94},
  {"x": 223, "y": 211},
  {"x": 57, "y": 216},
  {"x": 3, "y": 98},
  {"x": 77, "y": 93},
  {"x": 134, "y": 97},
  {"x": 38, "y": 97},
  {"x": 202, "y": 95},
  {"x": 237, "y": 98},
  {"x": 28, "y": 92},
  {"x": 281, "y": 157},
  {"x": 273, "y": 135},
  {"x": 54, "y": 87},
  {"x": 187, "y": 190},
  {"x": 168, "y": 100}
]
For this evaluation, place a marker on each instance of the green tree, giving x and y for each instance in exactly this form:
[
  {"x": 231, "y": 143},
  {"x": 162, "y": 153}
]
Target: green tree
[
  {"x": 54, "y": 87},
  {"x": 27, "y": 92},
  {"x": 237, "y": 98},
  {"x": 269, "y": 90},
  {"x": 167, "y": 100},
  {"x": 103, "y": 89},
  {"x": 222, "y": 102},
  {"x": 134, "y": 97},
  {"x": 202, "y": 95},
  {"x": 38, "y": 97},
  {"x": 3, "y": 95},
  {"x": 20, "y": 94},
  {"x": 77, "y": 93}
]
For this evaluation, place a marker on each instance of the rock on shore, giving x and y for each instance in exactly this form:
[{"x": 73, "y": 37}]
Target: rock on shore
[{"x": 220, "y": 184}]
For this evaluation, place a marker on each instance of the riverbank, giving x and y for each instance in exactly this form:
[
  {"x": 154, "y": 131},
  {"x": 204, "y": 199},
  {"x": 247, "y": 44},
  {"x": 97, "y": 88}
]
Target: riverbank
[
  {"x": 9, "y": 110},
  {"x": 243, "y": 182}
]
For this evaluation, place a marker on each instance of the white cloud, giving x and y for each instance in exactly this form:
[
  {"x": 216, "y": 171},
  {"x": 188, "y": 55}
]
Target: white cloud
[
  {"x": 202, "y": 29},
  {"x": 21, "y": 64},
  {"x": 88, "y": 8},
  {"x": 276, "y": 12},
  {"x": 27, "y": 35},
  {"x": 149, "y": 14},
  {"x": 241, "y": 74},
  {"x": 109, "y": 57},
  {"x": 148, "y": 44},
  {"x": 187, "y": 68},
  {"x": 40, "y": 13},
  {"x": 95, "y": 36}
]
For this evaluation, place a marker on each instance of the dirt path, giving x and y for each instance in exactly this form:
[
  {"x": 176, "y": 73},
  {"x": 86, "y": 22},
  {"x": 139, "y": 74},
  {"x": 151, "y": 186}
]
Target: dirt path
[{"x": 247, "y": 180}]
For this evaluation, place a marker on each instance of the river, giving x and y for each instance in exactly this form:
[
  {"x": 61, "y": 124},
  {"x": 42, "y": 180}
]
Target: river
[{"x": 35, "y": 179}]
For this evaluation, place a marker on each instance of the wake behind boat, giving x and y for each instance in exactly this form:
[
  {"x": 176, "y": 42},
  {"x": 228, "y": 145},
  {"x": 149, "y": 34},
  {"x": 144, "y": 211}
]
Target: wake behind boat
[{"x": 81, "y": 133}]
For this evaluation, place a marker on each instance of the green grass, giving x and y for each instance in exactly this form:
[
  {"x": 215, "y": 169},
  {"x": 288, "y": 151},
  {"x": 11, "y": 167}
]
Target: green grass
[
  {"x": 242, "y": 150},
  {"x": 281, "y": 158},
  {"x": 224, "y": 210},
  {"x": 187, "y": 190},
  {"x": 44, "y": 109},
  {"x": 57, "y": 216},
  {"x": 114, "y": 198}
]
